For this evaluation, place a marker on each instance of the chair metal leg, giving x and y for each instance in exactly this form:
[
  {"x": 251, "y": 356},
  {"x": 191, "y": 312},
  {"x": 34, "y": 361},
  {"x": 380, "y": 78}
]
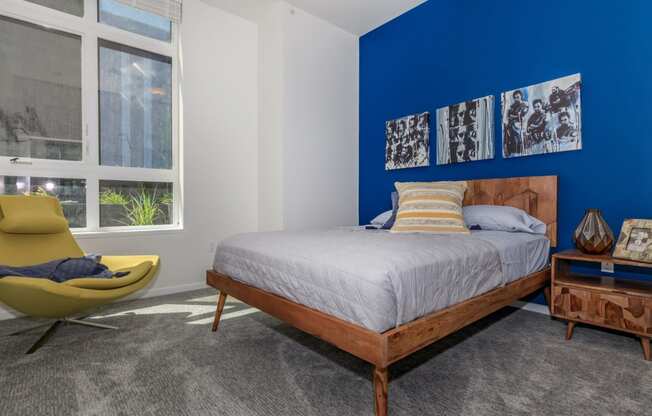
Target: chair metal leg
[
  {"x": 91, "y": 324},
  {"x": 30, "y": 329},
  {"x": 53, "y": 328},
  {"x": 44, "y": 338}
]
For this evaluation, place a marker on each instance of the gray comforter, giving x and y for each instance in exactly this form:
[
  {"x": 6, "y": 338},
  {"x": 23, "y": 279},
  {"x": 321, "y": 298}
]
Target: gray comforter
[{"x": 373, "y": 278}]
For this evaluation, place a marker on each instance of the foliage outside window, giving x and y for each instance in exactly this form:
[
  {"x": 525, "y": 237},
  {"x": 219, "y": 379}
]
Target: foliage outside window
[{"x": 135, "y": 203}]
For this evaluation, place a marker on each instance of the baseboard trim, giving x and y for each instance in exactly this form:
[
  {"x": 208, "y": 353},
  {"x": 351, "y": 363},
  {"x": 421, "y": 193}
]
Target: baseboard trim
[
  {"x": 170, "y": 290},
  {"x": 6, "y": 313},
  {"x": 532, "y": 307}
]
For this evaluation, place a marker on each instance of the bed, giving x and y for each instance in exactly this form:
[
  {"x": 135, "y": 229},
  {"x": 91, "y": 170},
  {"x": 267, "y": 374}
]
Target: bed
[{"x": 382, "y": 296}]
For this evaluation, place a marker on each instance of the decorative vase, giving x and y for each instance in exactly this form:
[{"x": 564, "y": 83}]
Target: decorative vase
[{"x": 593, "y": 235}]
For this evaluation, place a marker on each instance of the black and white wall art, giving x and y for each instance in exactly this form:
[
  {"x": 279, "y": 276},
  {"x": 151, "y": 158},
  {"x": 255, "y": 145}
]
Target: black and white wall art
[
  {"x": 543, "y": 118},
  {"x": 465, "y": 131},
  {"x": 407, "y": 142}
]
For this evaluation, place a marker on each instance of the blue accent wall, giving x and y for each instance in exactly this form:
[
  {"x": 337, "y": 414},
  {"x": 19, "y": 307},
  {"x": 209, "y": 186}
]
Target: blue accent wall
[{"x": 447, "y": 51}]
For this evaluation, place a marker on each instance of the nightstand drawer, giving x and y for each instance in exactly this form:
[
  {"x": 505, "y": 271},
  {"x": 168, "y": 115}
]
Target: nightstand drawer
[{"x": 613, "y": 310}]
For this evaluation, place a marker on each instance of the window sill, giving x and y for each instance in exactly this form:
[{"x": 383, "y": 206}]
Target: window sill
[{"x": 83, "y": 235}]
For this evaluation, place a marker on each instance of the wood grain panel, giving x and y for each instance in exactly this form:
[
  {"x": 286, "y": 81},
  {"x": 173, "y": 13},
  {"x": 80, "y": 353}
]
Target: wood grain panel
[
  {"x": 617, "y": 311},
  {"x": 536, "y": 195}
]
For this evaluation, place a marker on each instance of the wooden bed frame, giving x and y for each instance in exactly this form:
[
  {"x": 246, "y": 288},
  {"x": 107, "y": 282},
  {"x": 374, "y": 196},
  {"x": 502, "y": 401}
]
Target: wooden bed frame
[{"x": 535, "y": 195}]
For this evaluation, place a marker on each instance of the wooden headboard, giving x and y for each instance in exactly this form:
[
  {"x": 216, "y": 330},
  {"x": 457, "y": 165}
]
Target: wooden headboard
[{"x": 536, "y": 195}]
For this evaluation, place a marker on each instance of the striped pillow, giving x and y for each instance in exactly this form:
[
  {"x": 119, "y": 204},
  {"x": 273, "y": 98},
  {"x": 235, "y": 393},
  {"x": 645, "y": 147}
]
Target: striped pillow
[{"x": 430, "y": 207}]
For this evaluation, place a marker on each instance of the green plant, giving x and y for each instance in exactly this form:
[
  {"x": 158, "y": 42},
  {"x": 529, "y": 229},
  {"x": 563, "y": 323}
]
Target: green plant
[
  {"x": 167, "y": 198},
  {"x": 143, "y": 208},
  {"x": 110, "y": 197}
]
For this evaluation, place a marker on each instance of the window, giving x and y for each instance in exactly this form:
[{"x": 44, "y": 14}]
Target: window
[
  {"x": 134, "y": 20},
  {"x": 135, "y": 107},
  {"x": 74, "y": 7},
  {"x": 40, "y": 92},
  {"x": 71, "y": 194},
  {"x": 88, "y": 112}
]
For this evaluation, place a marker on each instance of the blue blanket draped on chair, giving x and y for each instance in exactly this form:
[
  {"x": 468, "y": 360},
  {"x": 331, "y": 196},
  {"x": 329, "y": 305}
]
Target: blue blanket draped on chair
[{"x": 63, "y": 269}]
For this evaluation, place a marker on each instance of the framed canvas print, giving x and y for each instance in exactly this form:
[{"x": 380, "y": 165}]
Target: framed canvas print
[
  {"x": 407, "y": 142},
  {"x": 635, "y": 241},
  {"x": 465, "y": 131},
  {"x": 543, "y": 118}
]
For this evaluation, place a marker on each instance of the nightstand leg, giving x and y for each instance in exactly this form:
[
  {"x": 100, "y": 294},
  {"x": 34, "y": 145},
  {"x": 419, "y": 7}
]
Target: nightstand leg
[
  {"x": 569, "y": 330},
  {"x": 647, "y": 352}
]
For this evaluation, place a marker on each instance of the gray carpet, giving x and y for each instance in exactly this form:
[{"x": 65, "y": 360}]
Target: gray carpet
[{"x": 165, "y": 361}]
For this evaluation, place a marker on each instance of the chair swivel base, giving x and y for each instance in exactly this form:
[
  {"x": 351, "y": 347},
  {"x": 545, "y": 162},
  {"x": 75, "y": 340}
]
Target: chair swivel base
[{"x": 53, "y": 328}]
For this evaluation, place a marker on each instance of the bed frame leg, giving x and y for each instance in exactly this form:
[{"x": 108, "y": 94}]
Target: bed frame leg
[
  {"x": 381, "y": 378},
  {"x": 221, "y": 300}
]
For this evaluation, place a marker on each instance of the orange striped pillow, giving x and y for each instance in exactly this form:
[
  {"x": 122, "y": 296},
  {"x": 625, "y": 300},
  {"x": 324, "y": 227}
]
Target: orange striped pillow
[{"x": 430, "y": 207}]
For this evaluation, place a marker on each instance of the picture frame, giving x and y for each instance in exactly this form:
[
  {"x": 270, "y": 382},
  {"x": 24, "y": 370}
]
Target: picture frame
[
  {"x": 407, "y": 142},
  {"x": 465, "y": 131},
  {"x": 543, "y": 118},
  {"x": 635, "y": 241}
]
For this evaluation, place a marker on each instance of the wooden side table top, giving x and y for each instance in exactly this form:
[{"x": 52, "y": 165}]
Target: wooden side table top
[{"x": 577, "y": 255}]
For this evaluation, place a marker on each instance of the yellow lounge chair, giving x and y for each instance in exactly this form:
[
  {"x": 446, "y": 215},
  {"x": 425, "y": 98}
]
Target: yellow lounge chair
[{"x": 33, "y": 230}]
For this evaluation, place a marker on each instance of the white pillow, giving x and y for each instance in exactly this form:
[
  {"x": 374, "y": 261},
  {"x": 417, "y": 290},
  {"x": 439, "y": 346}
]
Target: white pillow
[
  {"x": 502, "y": 218},
  {"x": 382, "y": 218}
]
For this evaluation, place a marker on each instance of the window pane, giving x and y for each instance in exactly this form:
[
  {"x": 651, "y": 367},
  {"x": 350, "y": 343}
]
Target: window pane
[
  {"x": 126, "y": 203},
  {"x": 71, "y": 194},
  {"x": 75, "y": 7},
  {"x": 135, "y": 107},
  {"x": 40, "y": 92},
  {"x": 134, "y": 20}
]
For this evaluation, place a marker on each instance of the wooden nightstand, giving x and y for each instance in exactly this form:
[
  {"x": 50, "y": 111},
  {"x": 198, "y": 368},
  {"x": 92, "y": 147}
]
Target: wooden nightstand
[{"x": 609, "y": 302}]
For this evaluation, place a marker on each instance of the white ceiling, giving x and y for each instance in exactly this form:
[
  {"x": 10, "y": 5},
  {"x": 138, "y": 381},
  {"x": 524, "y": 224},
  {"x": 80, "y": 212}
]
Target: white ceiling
[
  {"x": 357, "y": 16},
  {"x": 249, "y": 9},
  {"x": 354, "y": 16}
]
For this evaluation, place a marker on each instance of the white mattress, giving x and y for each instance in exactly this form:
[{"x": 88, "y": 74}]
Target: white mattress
[{"x": 376, "y": 279}]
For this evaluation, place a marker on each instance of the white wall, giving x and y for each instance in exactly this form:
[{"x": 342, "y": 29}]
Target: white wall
[
  {"x": 320, "y": 132},
  {"x": 220, "y": 144},
  {"x": 271, "y": 112},
  {"x": 309, "y": 121}
]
